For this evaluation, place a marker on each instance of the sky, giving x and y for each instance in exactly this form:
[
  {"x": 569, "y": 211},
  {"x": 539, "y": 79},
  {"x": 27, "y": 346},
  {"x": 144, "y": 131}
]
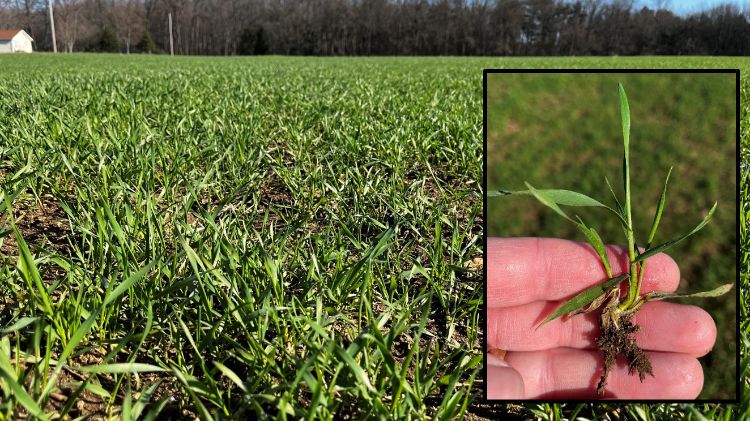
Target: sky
[{"x": 685, "y": 7}]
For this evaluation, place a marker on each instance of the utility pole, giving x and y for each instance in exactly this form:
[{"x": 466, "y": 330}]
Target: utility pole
[
  {"x": 171, "y": 43},
  {"x": 52, "y": 25}
]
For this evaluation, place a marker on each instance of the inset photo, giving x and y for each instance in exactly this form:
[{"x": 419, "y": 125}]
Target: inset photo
[{"x": 611, "y": 252}]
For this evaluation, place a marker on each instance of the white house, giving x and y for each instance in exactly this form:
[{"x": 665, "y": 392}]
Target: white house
[{"x": 15, "y": 40}]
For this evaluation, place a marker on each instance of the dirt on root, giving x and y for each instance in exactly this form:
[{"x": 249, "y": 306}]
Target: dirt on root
[{"x": 616, "y": 339}]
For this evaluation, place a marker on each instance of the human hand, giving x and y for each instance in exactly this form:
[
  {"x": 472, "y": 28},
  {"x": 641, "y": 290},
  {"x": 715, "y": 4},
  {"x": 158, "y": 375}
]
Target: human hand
[{"x": 528, "y": 278}]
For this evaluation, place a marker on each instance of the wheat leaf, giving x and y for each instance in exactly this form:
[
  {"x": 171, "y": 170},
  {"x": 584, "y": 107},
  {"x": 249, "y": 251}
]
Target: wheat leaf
[
  {"x": 625, "y": 117},
  {"x": 585, "y": 298},
  {"x": 548, "y": 201},
  {"x": 598, "y": 245},
  {"x": 659, "y": 210},
  {"x": 562, "y": 197},
  {"x": 716, "y": 292},
  {"x": 662, "y": 247},
  {"x": 557, "y": 197},
  {"x": 117, "y": 368}
]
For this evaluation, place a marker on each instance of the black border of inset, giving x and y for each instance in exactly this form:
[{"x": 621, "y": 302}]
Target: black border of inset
[{"x": 483, "y": 312}]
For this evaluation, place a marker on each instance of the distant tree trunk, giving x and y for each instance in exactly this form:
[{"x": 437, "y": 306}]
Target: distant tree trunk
[
  {"x": 171, "y": 41},
  {"x": 52, "y": 25},
  {"x": 226, "y": 41}
]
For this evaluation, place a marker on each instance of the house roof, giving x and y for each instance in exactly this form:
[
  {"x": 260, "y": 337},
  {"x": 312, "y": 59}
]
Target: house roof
[{"x": 8, "y": 34}]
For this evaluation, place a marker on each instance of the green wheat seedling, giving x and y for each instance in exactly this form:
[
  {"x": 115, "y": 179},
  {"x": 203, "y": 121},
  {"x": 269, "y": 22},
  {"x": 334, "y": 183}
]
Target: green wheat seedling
[
  {"x": 618, "y": 309},
  {"x": 173, "y": 242}
]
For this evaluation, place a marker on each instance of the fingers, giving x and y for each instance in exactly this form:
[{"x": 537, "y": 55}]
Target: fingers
[
  {"x": 503, "y": 382},
  {"x": 564, "y": 373},
  {"x": 664, "y": 326},
  {"x": 524, "y": 270}
]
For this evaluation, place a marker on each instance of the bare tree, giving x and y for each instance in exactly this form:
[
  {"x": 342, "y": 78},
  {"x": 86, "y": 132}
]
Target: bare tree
[
  {"x": 128, "y": 20},
  {"x": 71, "y": 24}
]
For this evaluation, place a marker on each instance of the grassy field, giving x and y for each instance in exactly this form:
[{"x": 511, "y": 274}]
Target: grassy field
[
  {"x": 289, "y": 237},
  {"x": 564, "y": 131},
  {"x": 215, "y": 237}
]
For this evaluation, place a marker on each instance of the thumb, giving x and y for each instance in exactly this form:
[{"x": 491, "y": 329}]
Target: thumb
[{"x": 503, "y": 381}]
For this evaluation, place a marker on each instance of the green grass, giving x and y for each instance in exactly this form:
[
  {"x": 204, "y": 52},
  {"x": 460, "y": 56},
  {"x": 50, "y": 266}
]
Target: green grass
[
  {"x": 262, "y": 236},
  {"x": 284, "y": 236},
  {"x": 564, "y": 131}
]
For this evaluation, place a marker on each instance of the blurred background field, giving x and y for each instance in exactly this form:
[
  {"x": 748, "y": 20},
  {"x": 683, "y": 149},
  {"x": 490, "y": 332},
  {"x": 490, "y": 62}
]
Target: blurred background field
[{"x": 563, "y": 131}]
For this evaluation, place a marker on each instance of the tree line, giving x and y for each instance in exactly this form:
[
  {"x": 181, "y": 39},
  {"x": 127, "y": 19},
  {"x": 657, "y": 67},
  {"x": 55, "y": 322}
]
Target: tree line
[{"x": 380, "y": 27}]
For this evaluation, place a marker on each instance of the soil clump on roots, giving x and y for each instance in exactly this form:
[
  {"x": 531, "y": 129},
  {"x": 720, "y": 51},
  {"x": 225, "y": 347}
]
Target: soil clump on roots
[{"x": 615, "y": 339}]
